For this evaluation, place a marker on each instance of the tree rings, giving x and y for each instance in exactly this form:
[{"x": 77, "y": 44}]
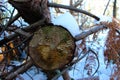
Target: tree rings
[{"x": 52, "y": 47}]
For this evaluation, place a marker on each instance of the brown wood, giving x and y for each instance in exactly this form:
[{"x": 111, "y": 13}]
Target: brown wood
[
  {"x": 52, "y": 47},
  {"x": 32, "y": 10}
]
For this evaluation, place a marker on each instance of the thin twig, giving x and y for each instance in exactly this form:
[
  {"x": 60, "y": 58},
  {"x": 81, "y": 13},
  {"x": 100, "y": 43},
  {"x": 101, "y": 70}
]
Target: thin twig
[
  {"x": 13, "y": 19},
  {"x": 5, "y": 8},
  {"x": 106, "y": 7},
  {"x": 97, "y": 61},
  {"x": 10, "y": 22},
  {"x": 25, "y": 40},
  {"x": 7, "y": 24},
  {"x": 78, "y": 3},
  {"x": 29, "y": 75}
]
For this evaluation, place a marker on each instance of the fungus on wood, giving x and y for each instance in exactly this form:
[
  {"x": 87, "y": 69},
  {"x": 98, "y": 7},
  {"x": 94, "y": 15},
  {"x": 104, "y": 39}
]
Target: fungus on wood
[{"x": 52, "y": 47}]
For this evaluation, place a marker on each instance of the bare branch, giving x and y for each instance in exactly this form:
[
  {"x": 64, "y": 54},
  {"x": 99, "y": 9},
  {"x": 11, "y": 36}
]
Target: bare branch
[
  {"x": 28, "y": 28},
  {"x": 73, "y": 9},
  {"x": 10, "y": 22},
  {"x": 87, "y": 33},
  {"x": 20, "y": 70},
  {"x": 106, "y": 7},
  {"x": 79, "y": 2},
  {"x": 97, "y": 61},
  {"x": 13, "y": 19}
]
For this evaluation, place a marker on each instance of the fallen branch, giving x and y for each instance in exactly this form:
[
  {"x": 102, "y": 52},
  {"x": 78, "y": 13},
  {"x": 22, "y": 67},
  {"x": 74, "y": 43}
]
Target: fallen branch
[
  {"x": 89, "y": 32},
  {"x": 28, "y": 28},
  {"x": 20, "y": 70}
]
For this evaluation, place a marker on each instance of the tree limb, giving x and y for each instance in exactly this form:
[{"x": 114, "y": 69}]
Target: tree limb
[
  {"x": 20, "y": 70},
  {"x": 73, "y": 9},
  {"x": 106, "y": 7},
  {"x": 28, "y": 28},
  {"x": 87, "y": 33}
]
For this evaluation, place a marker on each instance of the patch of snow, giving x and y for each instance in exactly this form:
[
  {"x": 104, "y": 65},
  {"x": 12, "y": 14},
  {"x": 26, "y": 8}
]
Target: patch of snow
[
  {"x": 60, "y": 78},
  {"x": 67, "y": 21},
  {"x": 104, "y": 77},
  {"x": 16, "y": 63},
  {"x": 77, "y": 71},
  {"x": 32, "y": 74},
  {"x": 40, "y": 77}
]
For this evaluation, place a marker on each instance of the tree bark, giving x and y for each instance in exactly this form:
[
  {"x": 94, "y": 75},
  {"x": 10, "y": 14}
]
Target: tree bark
[
  {"x": 32, "y": 10},
  {"x": 87, "y": 33}
]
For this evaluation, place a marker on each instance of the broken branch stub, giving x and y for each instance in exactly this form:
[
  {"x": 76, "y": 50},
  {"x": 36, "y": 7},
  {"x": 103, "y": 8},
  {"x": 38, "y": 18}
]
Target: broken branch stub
[{"x": 52, "y": 47}]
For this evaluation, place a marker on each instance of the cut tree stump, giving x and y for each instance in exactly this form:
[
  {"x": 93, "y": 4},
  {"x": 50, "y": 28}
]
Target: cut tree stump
[{"x": 52, "y": 47}]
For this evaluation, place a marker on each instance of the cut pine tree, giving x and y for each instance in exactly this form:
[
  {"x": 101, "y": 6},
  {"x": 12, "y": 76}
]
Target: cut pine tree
[{"x": 52, "y": 47}]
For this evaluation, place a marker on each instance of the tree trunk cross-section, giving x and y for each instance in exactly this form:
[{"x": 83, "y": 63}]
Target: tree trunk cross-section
[{"x": 52, "y": 47}]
